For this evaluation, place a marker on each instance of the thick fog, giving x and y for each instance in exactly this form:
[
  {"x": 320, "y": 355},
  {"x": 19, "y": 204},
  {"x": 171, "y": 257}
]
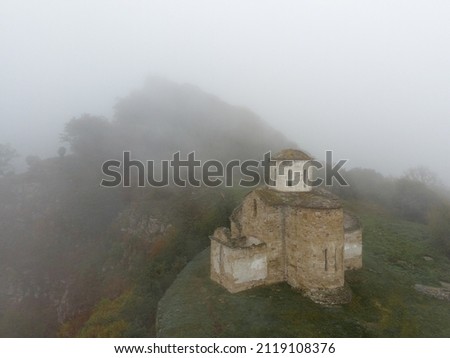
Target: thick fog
[{"x": 367, "y": 79}]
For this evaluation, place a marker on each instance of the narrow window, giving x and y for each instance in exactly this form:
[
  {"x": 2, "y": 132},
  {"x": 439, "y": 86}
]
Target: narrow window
[
  {"x": 290, "y": 178},
  {"x": 255, "y": 208},
  {"x": 305, "y": 177},
  {"x": 335, "y": 260},
  {"x": 326, "y": 259}
]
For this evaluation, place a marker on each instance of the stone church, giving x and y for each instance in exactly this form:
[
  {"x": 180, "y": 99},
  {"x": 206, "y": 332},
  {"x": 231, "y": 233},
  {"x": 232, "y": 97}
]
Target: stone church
[{"x": 289, "y": 232}]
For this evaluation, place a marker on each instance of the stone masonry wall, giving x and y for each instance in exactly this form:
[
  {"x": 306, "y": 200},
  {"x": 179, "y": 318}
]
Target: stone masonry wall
[
  {"x": 353, "y": 250},
  {"x": 264, "y": 222},
  {"x": 315, "y": 244},
  {"x": 238, "y": 269}
]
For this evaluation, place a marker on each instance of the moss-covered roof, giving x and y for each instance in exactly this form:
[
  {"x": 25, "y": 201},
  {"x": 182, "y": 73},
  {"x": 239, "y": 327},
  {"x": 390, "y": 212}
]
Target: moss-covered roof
[
  {"x": 292, "y": 154},
  {"x": 315, "y": 199},
  {"x": 223, "y": 236}
]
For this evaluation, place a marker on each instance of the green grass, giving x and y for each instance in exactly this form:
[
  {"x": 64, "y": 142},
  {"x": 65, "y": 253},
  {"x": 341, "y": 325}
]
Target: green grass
[{"x": 384, "y": 303}]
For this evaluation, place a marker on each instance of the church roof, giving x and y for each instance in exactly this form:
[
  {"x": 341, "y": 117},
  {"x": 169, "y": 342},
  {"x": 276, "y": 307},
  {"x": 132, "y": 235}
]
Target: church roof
[
  {"x": 315, "y": 199},
  {"x": 292, "y": 154}
]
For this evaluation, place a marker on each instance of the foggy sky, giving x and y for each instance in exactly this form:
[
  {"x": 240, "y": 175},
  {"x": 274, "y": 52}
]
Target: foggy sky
[{"x": 368, "y": 79}]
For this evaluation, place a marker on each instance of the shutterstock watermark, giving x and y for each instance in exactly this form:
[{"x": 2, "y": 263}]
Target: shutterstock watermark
[{"x": 213, "y": 173}]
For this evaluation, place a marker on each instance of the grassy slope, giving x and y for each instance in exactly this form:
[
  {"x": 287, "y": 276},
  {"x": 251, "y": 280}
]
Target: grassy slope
[{"x": 385, "y": 303}]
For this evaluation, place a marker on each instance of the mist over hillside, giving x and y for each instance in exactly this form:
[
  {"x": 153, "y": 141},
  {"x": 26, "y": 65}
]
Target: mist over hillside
[
  {"x": 81, "y": 260},
  {"x": 66, "y": 243},
  {"x": 83, "y": 82},
  {"x": 163, "y": 118},
  {"x": 368, "y": 80}
]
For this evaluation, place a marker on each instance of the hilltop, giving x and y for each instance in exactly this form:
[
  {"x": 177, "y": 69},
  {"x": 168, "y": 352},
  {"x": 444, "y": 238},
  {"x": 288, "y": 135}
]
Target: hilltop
[{"x": 397, "y": 255}]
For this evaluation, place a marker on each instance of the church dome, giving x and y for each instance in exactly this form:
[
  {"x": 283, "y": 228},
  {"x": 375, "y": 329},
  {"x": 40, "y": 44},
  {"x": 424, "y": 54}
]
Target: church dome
[{"x": 292, "y": 154}]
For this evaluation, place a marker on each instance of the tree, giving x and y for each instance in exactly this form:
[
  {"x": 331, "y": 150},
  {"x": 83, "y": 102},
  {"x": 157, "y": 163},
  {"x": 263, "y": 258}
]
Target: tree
[
  {"x": 421, "y": 174},
  {"x": 88, "y": 136},
  {"x": 413, "y": 199},
  {"x": 62, "y": 151},
  {"x": 7, "y": 154}
]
